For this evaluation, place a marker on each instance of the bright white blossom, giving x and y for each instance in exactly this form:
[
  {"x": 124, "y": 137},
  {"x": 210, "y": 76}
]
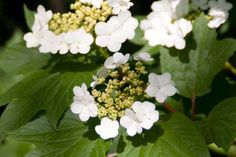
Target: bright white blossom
[
  {"x": 115, "y": 31},
  {"x": 119, "y": 5},
  {"x": 143, "y": 56},
  {"x": 165, "y": 25},
  {"x": 171, "y": 9},
  {"x": 142, "y": 116},
  {"x": 108, "y": 128},
  {"x": 219, "y": 11},
  {"x": 84, "y": 103},
  {"x": 40, "y": 26},
  {"x": 160, "y": 87},
  {"x": 95, "y": 3},
  {"x": 77, "y": 41},
  {"x": 202, "y": 4},
  {"x": 116, "y": 60}
]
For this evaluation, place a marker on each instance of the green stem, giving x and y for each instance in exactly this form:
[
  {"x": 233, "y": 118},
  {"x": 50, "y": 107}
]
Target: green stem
[
  {"x": 114, "y": 145},
  {"x": 213, "y": 147},
  {"x": 103, "y": 52},
  {"x": 169, "y": 107}
]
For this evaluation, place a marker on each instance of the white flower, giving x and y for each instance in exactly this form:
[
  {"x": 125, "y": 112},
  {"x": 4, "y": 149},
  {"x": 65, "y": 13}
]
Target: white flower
[
  {"x": 143, "y": 56},
  {"x": 166, "y": 34},
  {"x": 119, "y": 5},
  {"x": 116, "y": 60},
  {"x": 40, "y": 25},
  {"x": 84, "y": 104},
  {"x": 142, "y": 115},
  {"x": 95, "y": 3},
  {"x": 49, "y": 42},
  {"x": 77, "y": 41},
  {"x": 31, "y": 40},
  {"x": 202, "y": 4},
  {"x": 164, "y": 26},
  {"x": 160, "y": 87},
  {"x": 171, "y": 9},
  {"x": 178, "y": 31},
  {"x": 219, "y": 12},
  {"x": 117, "y": 30},
  {"x": 108, "y": 128}
]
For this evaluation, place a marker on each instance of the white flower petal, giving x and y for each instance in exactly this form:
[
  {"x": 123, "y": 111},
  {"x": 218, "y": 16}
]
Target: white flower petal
[
  {"x": 107, "y": 129},
  {"x": 84, "y": 103},
  {"x": 142, "y": 116},
  {"x": 160, "y": 97},
  {"x": 143, "y": 56},
  {"x": 114, "y": 46},
  {"x": 160, "y": 86},
  {"x": 76, "y": 108},
  {"x": 31, "y": 40}
]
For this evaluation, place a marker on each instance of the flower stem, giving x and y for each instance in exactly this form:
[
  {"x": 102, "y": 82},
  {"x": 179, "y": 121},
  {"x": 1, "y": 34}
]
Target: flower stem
[
  {"x": 193, "y": 106},
  {"x": 103, "y": 52},
  {"x": 230, "y": 67},
  {"x": 169, "y": 107},
  {"x": 113, "y": 150}
]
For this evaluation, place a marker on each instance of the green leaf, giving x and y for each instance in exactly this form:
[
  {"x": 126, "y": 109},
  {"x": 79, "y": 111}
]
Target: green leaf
[
  {"x": 194, "y": 68},
  {"x": 220, "y": 126},
  {"x": 176, "y": 137},
  {"x": 17, "y": 59},
  {"x": 41, "y": 91},
  {"x": 29, "y": 17},
  {"x": 12, "y": 148},
  {"x": 139, "y": 34},
  {"x": 6, "y": 81},
  {"x": 73, "y": 139}
]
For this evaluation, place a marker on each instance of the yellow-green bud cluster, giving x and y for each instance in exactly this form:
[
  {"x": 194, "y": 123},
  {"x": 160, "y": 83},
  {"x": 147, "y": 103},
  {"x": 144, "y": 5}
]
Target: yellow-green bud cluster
[
  {"x": 121, "y": 89},
  {"x": 83, "y": 15}
]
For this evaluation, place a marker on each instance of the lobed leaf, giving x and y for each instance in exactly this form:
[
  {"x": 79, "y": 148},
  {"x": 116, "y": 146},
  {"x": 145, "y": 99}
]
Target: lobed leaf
[
  {"x": 194, "y": 68},
  {"x": 40, "y": 91},
  {"x": 220, "y": 126},
  {"x": 72, "y": 139},
  {"x": 176, "y": 137}
]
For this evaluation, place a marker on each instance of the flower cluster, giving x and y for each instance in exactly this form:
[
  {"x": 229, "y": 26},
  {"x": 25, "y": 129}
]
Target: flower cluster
[
  {"x": 168, "y": 23},
  {"x": 165, "y": 25},
  {"x": 120, "y": 95},
  {"x": 218, "y": 11},
  {"x": 76, "y": 31}
]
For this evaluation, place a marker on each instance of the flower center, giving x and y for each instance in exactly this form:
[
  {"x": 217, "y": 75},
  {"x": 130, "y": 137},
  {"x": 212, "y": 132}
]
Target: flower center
[
  {"x": 120, "y": 90},
  {"x": 83, "y": 15}
]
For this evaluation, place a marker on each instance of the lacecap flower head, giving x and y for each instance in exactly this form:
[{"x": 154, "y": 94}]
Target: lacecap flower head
[
  {"x": 171, "y": 20},
  {"x": 121, "y": 96},
  {"x": 78, "y": 29}
]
